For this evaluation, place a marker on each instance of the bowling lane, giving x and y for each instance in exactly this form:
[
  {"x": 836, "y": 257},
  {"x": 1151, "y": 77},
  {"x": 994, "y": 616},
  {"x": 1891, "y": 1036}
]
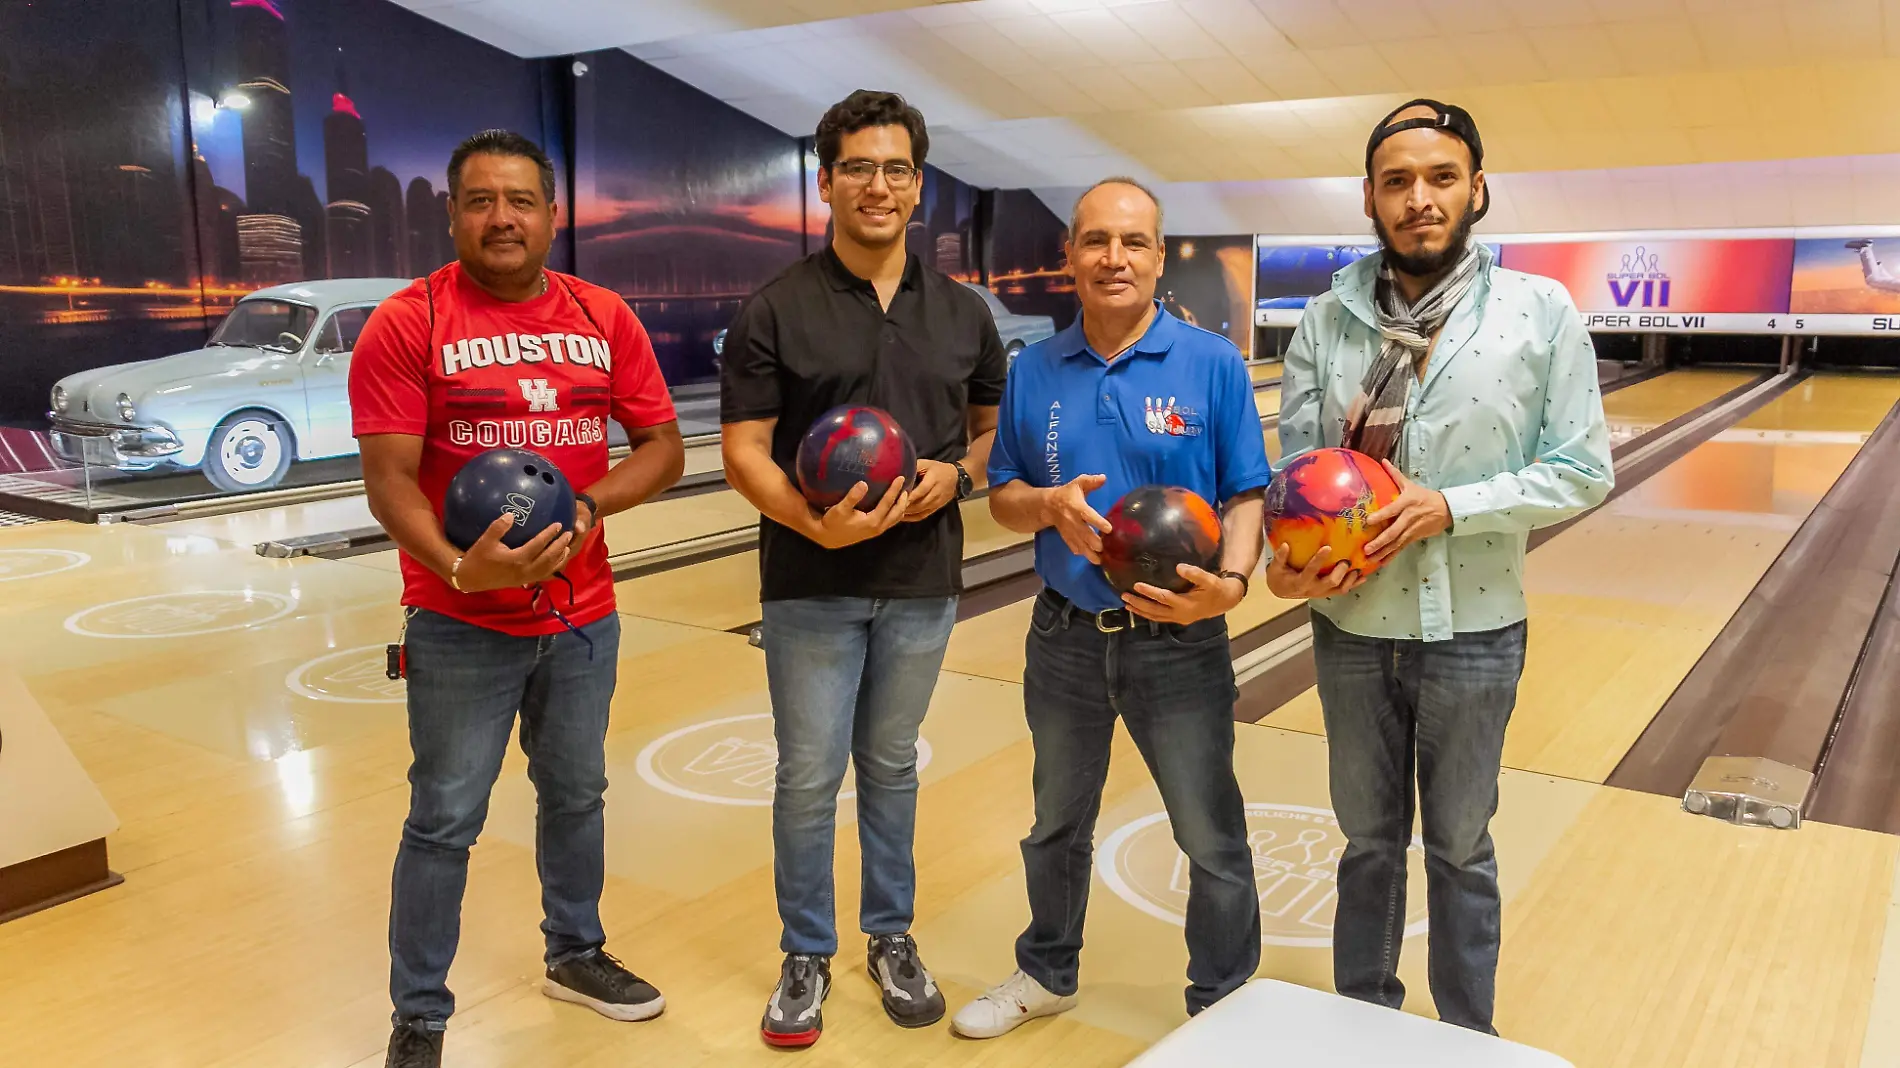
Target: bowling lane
[
  {"x": 1265, "y": 370},
  {"x": 1604, "y": 891},
  {"x": 1624, "y": 603},
  {"x": 247, "y": 528},
  {"x": 1638, "y": 409},
  {"x": 1267, "y": 401}
]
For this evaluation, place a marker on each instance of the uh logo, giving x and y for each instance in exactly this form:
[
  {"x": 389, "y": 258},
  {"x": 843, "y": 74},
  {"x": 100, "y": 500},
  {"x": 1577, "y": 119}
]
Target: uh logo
[{"x": 1641, "y": 274}]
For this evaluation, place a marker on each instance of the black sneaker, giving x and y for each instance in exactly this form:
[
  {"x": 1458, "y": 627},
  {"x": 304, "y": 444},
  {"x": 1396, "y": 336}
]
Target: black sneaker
[
  {"x": 601, "y": 983},
  {"x": 911, "y": 998},
  {"x": 792, "y": 1017},
  {"x": 415, "y": 1044}
]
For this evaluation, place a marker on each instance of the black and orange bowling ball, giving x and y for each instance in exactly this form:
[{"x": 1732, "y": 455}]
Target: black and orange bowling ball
[
  {"x": 1152, "y": 530},
  {"x": 851, "y": 444},
  {"x": 1324, "y": 498}
]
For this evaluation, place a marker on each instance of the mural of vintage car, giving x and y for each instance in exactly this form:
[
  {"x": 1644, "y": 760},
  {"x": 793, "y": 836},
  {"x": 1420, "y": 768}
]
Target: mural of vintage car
[
  {"x": 1017, "y": 331},
  {"x": 270, "y": 387}
]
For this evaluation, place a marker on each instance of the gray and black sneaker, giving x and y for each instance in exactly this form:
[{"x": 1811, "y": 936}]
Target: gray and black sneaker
[
  {"x": 792, "y": 1018},
  {"x": 598, "y": 981},
  {"x": 911, "y": 997},
  {"x": 415, "y": 1044}
]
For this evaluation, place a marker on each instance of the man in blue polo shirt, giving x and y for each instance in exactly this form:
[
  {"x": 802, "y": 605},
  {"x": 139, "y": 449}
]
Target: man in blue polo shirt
[{"x": 1126, "y": 396}]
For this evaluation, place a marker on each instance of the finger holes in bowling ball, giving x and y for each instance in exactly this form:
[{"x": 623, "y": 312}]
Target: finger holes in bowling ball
[{"x": 505, "y": 481}]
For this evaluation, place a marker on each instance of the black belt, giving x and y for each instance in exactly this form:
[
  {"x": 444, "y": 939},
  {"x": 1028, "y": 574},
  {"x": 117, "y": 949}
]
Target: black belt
[{"x": 1108, "y": 621}]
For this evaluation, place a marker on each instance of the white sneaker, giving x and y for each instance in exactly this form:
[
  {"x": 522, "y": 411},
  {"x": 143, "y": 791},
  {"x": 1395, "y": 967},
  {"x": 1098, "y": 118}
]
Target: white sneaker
[{"x": 1006, "y": 1006}]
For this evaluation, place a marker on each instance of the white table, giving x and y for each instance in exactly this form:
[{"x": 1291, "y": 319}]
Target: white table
[{"x": 1271, "y": 1023}]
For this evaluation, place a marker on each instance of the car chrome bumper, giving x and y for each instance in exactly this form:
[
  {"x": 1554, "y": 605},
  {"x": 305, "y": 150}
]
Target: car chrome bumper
[{"x": 128, "y": 448}]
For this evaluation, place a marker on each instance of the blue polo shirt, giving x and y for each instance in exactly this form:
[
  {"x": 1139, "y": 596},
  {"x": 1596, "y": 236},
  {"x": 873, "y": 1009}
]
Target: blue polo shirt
[{"x": 1176, "y": 409}]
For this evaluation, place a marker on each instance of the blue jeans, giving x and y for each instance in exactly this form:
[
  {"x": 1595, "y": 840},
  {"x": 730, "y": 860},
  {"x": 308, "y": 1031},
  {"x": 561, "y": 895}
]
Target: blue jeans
[
  {"x": 465, "y": 685},
  {"x": 1174, "y": 688},
  {"x": 850, "y": 678},
  {"x": 1393, "y": 708}
]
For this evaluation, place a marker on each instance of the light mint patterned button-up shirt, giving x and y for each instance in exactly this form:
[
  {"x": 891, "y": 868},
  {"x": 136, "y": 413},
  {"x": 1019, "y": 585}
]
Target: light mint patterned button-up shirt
[{"x": 1508, "y": 424}]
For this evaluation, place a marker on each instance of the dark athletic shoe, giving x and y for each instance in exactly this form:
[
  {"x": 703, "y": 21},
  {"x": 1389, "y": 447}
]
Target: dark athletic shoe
[
  {"x": 792, "y": 1018},
  {"x": 911, "y": 998},
  {"x": 415, "y": 1044},
  {"x": 599, "y": 982}
]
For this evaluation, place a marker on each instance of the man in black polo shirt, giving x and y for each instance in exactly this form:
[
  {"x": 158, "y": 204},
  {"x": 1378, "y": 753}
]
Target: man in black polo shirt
[{"x": 857, "y": 606}]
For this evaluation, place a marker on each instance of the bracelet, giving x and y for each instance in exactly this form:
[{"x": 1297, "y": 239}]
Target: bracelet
[
  {"x": 1237, "y": 575},
  {"x": 454, "y": 570}
]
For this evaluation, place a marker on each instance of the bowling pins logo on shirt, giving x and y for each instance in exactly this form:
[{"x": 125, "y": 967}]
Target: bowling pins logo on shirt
[
  {"x": 1296, "y": 853},
  {"x": 1167, "y": 417}
]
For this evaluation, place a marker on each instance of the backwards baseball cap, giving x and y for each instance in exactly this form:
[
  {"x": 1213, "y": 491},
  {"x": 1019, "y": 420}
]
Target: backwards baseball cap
[{"x": 1451, "y": 119}]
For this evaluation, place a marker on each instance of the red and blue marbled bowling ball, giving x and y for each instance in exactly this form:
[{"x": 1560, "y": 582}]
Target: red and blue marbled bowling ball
[{"x": 851, "y": 444}]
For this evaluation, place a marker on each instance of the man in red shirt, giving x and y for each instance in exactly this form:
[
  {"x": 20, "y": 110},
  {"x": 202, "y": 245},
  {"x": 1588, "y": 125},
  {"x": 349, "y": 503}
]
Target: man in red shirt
[{"x": 496, "y": 351}]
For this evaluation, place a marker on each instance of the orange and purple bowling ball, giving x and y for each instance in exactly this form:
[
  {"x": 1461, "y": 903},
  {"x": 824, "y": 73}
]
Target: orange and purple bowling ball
[
  {"x": 851, "y": 444},
  {"x": 1323, "y": 498},
  {"x": 1154, "y": 529}
]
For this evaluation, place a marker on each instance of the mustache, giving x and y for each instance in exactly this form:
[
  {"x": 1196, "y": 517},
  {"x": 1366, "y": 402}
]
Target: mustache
[{"x": 1423, "y": 264}]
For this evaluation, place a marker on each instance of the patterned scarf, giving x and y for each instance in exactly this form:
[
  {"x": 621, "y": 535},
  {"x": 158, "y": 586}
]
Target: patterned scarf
[{"x": 1376, "y": 418}]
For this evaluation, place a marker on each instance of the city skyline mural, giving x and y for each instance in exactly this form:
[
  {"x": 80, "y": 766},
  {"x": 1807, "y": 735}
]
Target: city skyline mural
[
  {"x": 323, "y": 160},
  {"x": 158, "y": 161},
  {"x": 1027, "y": 262},
  {"x": 685, "y": 205}
]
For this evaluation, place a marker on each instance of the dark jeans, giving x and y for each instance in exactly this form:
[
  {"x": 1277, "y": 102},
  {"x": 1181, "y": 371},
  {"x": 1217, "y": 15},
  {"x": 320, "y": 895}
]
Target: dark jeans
[
  {"x": 1393, "y": 707},
  {"x": 1174, "y": 688},
  {"x": 851, "y": 679},
  {"x": 465, "y": 685}
]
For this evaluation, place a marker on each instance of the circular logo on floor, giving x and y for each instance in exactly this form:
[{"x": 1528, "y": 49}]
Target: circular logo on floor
[
  {"x": 180, "y": 615},
  {"x": 1296, "y": 853},
  {"x": 356, "y": 676},
  {"x": 37, "y": 563},
  {"x": 729, "y": 761}
]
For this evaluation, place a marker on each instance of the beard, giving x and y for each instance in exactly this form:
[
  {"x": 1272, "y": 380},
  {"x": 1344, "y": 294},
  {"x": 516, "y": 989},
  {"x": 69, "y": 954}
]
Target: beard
[{"x": 1426, "y": 264}]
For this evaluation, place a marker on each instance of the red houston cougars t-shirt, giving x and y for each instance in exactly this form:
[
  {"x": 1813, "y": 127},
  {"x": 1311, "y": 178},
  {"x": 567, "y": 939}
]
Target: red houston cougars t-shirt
[{"x": 446, "y": 361}]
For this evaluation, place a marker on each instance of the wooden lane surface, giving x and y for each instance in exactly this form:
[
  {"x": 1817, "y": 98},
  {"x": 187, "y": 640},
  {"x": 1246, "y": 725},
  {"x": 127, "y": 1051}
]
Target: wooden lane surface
[
  {"x": 236, "y": 864},
  {"x": 1623, "y": 604},
  {"x": 241, "y": 859}
]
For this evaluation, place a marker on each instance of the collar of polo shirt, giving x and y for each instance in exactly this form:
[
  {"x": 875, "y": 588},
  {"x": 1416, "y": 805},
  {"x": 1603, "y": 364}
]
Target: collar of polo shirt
[{"x": 1159, "y": 338}]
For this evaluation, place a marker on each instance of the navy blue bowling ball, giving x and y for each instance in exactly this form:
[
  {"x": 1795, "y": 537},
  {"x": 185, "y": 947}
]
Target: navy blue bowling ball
[
  {"x": 851, "y": 444},
  {"x": 512, "y": 481}
]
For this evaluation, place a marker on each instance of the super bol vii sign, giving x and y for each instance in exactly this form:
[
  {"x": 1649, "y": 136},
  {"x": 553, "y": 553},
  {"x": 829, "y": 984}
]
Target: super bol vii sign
[{"x": 1641, "y": 276}]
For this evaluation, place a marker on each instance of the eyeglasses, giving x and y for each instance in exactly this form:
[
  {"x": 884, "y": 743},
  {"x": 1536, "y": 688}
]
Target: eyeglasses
[{"x": 861, "y": 171}]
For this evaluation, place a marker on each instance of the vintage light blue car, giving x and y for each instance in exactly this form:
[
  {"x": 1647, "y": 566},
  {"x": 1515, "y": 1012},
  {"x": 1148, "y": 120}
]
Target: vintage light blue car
[{"x": 271, "y": 386}]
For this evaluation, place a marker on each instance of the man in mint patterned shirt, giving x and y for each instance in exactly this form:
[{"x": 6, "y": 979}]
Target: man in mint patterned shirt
[{"x": 1476, "y": 386}]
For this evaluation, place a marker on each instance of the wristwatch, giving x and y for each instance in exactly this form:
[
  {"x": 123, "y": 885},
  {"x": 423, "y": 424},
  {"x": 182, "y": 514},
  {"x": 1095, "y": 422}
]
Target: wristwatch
[
  {"x": 964, "y": 484},
  {"x": 1237, "y": 575}
]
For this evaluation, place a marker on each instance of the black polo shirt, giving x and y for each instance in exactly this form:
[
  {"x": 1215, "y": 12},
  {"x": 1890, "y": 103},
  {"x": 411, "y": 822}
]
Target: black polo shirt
[{"x": 815, "y": 337}]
